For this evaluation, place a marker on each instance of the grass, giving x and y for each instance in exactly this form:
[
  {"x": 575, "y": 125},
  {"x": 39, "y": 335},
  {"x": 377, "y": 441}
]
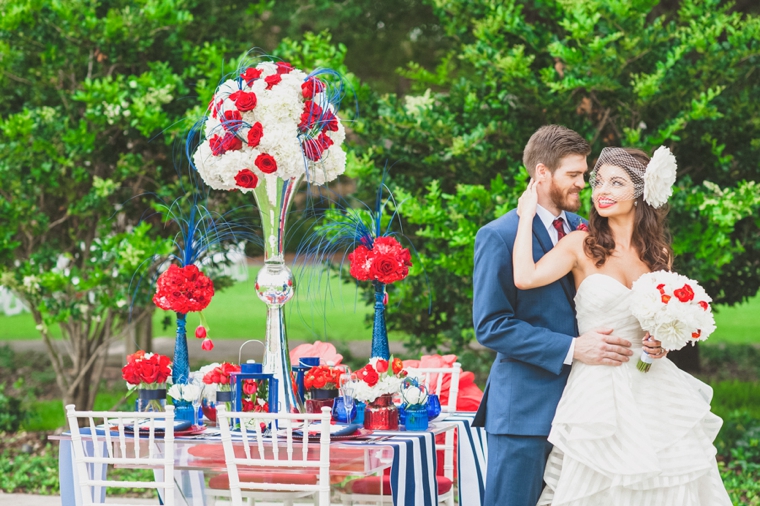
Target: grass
[
  {"x": 49, "y": 414},
  {"x": 738, "y": 324},
  {"x": 329, "y": 311}
]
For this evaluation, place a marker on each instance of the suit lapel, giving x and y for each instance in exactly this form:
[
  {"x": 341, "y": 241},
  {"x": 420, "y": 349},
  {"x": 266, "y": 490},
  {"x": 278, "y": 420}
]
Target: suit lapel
[{"x": 539, "y": 231}]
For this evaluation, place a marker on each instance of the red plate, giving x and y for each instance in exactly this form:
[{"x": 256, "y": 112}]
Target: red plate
[{"x": 192, "y": 431}]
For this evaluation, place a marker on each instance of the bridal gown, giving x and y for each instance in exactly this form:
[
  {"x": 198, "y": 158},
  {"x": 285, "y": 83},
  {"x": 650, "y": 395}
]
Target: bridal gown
[{"x": 626, "y": 438}]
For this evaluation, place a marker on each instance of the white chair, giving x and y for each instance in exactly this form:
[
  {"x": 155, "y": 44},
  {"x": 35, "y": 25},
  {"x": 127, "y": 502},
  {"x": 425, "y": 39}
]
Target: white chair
[
  {"x": 131, "y": 450},
  {"x": 301, "y": 476},
  {"x": 377, "y": 489}
]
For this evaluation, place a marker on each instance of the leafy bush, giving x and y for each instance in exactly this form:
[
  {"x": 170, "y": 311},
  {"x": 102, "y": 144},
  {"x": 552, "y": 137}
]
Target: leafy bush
[{"x": 12, "y": 412}]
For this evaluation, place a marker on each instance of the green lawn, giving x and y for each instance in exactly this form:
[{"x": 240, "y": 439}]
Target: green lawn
[
  {"x": 319, "y": 310},
  {"x": 738, "y": 324}
]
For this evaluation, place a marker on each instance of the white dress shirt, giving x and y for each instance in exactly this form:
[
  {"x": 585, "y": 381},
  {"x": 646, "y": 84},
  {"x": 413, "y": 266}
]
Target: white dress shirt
[{"x": 547, "y": 218}]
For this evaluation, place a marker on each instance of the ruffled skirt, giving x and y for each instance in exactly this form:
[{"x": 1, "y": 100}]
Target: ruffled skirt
[{"x": 626, "y": 438}]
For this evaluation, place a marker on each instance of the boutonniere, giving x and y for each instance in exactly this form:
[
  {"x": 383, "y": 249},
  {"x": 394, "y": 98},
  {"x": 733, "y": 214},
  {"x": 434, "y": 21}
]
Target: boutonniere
[{"x": 582, "y": 226}]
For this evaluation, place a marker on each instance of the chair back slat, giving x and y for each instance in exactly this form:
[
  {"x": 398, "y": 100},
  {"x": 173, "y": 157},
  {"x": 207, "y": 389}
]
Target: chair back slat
[
  {"x": 281, "y": 427},
  {"x": 83, "y": 461}
]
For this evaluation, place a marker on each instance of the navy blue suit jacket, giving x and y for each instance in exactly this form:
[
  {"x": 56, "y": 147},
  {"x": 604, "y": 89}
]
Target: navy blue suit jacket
[{"x": 531, "y": 331}]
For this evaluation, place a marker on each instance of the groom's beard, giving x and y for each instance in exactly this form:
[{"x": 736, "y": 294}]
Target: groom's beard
[{"x": 567, "y": 200}]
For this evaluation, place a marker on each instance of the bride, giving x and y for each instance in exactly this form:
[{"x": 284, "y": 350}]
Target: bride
[{"x": 621, "y": 437}]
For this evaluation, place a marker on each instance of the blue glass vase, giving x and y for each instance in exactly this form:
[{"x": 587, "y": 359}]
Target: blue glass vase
[
  {"x": 433, "y": 406},
  {"x": 339, "y": 411},
  {"x": 380, "y": 347},
  {"x": 416, "y": 417},
  {"x": 359, "y": 407},
  {"x": 184, "y": 410}
]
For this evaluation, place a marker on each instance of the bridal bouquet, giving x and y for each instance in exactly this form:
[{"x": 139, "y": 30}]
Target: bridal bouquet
[
  {"x": 673, "y": 309},
  {"x": 272, "y": 121}
]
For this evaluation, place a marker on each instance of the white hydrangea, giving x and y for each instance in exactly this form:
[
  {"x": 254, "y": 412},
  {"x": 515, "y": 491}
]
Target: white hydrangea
[
  {"x": 659, "y": 177},
  {"x": 278, "y": 110},
  {"x": 188, "y": 392}
]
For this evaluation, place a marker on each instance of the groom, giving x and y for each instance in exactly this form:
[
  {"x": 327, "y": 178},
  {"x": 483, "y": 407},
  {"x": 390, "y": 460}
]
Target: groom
[{"x": 534, "y": 332}]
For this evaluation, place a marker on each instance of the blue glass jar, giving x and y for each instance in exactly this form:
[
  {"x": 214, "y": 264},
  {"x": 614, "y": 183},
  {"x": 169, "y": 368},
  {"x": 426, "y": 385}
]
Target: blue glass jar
[
  {"x": 433, "y": 406},
  {"x": 416, "y": 417},
  {"x": 339, "y": 411},
  {"x": 359, "y": 407}
]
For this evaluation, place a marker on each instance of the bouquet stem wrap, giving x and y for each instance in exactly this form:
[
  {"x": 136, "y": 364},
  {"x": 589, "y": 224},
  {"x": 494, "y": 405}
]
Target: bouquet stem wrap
[
  {"x": 380, "y": 346},
  {"x": 644, "y": 363}
]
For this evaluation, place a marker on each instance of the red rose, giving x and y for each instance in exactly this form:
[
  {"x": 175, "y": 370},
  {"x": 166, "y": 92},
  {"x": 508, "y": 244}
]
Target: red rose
[
  {"x": 684, "y": 294},
  {"x": 312, "y": 149},
  {"x": 266, "y": 163},
  {"x": 244, "y": 100},
  {"x": 215, "y": 108},
  {"x": 215, "y": 143},
  {"x": 231, "y": 142},
  {"x": 200, "y": 332},
  {"x": 138, "y": 355},
  {"x": 247, "y": 405},
  {"x": 324, "y": 140},
  {"x": 207, "y": 345},
  {"x": 272, "y": 80},
  {"x": 704, "y": 305},
  {"x": 381, "y": 366},
  {"x": 387, "y": 269},
  {"x": 130, "y": 375},
  {"x": 249, "y": 387},
  {"x": 284, "y": 67},
  {"x": 369, "y": 375},
  {"x": 148, "y": 371},
  {"x": 359, "y": 261},
  {"x": 397, "y": 365},
  {"x": 246, "y": 179},
  {"x": 255, "y": 133},
  {"x": 311, "y": 87},
  {"x": 582, "y": 226},
  {"x": 312, "y": 113},
  {"x": 329, "y": 121},
  {"x": 250, "y": 75}
]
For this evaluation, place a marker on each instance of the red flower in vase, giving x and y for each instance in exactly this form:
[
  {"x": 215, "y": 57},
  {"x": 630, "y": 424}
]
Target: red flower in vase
[
  {"x": 146, "y": 368},
  {"x": 360, "y": 261},
  {"x": 183, "y": 289},
  {"x": 266, "y": 163}
]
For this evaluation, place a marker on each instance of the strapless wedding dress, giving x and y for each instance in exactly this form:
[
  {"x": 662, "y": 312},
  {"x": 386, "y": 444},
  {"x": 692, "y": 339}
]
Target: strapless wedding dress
[{"x": 626, "y": 438}]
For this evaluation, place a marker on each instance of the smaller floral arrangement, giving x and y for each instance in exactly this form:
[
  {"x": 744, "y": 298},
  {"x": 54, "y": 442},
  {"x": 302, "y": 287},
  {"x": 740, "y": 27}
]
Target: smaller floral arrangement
[
  {"x": 414, "y": 394},
  {"x": 383, "y": 260},
  {"x": 184, "y": 392},
  {"x": 148, "y": 373},
  {"x": 674, "y": 309},
  {"x": 379, "y": 377},
  {"x": 146, "y": 370},
  {"x": 322, "y": 377},
  {"x": 185, "y": 290}
]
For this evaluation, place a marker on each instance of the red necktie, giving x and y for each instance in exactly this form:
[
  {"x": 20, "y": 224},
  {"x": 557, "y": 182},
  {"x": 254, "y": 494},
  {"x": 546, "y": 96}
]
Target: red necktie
[{"x": 559, "y": 224}]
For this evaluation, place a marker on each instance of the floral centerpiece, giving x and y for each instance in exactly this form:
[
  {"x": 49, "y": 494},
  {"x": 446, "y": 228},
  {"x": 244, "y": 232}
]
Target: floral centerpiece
[
  {"x": 673, "y": 309},
  {"x": 218, "y": 388},
  {"x": 415, "y": 397},
  {"x": 148, "y": 372},
  {"x": 265, "y": 131},
  {"x": 321, "y": 384},
  {"x": 376, "y": 384}
]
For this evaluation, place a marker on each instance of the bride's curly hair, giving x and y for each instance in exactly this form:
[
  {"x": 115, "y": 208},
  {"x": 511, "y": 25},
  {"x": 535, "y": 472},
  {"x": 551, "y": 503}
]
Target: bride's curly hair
[{"x": 651, "y": 237}]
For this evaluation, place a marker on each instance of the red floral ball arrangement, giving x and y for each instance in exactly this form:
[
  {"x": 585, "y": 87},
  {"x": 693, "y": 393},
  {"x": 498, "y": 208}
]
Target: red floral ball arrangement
[
  {"x": 322, "y": 376},
  {"x": 183, "y": 289},
  {"x": 221, "y": 375},
  {"x": 146, "y": 368},
  {"x": 386, "y": 262}
]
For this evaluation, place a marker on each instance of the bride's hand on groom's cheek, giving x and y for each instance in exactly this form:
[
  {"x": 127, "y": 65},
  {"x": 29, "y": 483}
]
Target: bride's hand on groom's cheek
[
  {"x": 653, "y": 347},
  {"x": 600, "y": 347}
]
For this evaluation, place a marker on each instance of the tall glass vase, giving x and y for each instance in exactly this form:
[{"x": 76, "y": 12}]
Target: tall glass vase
[
  {"x": 181, "y": 364},
  {"x": 275, "y": 283},
  {"x": 379, "y": 331}
]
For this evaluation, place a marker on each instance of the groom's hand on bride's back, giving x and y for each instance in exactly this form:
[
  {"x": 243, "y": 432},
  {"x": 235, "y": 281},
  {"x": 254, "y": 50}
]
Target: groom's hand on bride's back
[{"x": 600, "y": 347}]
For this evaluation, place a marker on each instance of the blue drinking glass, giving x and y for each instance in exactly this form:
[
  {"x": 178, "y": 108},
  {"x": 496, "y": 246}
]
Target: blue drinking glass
[
  {"x": 339, "y": 411},
  {"x": 359, "y": 407},
  {"x": 433, "y": 406}
]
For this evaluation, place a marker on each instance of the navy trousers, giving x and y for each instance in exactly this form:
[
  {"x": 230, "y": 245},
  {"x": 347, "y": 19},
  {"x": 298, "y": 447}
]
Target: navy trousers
[{"x": 515, "y": 474}]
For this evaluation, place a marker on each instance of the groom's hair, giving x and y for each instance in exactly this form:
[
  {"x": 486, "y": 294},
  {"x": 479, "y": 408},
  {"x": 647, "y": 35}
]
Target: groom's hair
[{"x": 550, "y": 144}]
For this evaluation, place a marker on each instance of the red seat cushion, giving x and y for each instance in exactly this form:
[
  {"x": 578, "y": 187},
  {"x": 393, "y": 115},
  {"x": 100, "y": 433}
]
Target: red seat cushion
[
  {"x": 371, "y": 485},
  {"x": 222, "y": 481}
]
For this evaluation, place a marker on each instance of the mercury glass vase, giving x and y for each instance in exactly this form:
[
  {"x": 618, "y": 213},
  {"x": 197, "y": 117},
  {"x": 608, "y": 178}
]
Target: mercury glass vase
[
  {"x": 275, "y": 284},
  {"x": 381, "y": 414}
]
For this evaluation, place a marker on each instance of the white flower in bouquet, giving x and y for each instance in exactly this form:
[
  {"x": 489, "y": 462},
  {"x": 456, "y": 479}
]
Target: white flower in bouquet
[
  {"x": 673, "y": 309},
  {"x": 273, "y": 121},
  {"x": 188, "y": 392},
  {"x": 414, "y": 395}
]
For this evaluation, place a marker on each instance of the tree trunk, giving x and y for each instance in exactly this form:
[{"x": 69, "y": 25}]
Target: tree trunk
[{"x": 144, "y": 329}]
